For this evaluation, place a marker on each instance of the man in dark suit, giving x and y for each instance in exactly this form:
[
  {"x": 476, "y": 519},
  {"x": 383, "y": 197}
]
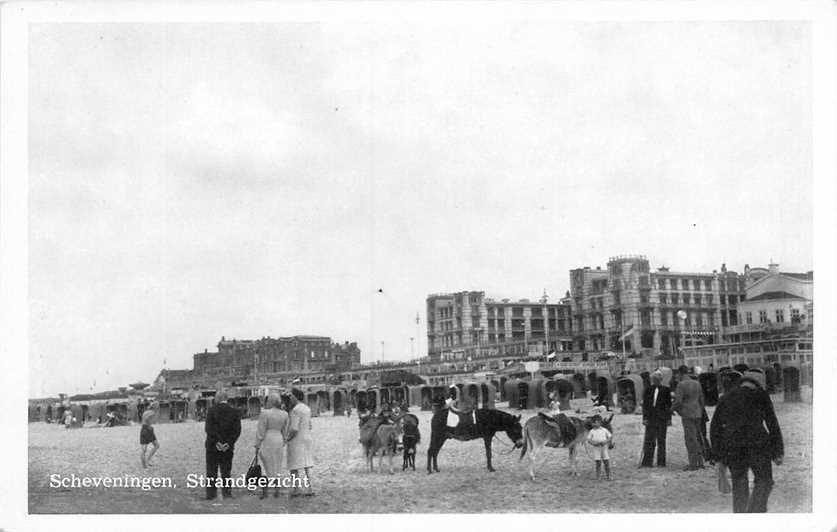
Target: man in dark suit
[
  {"x": 688, "y": 402},
  {"x": 223, "y": 426},
  {"x": 745, "y": 435},
  {"x": 656, "y": 417}
]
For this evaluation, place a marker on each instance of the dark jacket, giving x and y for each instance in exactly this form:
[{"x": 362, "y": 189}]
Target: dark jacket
[
  {"x": 223, "y": 425},
  {"x": 659, "y": 414},
  {"x": 739, "y": 422}
]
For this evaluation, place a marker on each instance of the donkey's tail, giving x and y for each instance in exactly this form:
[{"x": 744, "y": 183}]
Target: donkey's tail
[{"x": 527, "y": 440}]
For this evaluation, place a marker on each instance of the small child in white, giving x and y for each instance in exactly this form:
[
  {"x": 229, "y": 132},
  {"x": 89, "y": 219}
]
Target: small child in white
[{"x": 600, "y": 438}]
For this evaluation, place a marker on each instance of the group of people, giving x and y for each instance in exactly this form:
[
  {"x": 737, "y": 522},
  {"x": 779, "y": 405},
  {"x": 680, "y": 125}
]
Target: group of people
[
  {"x": 283, "y": 433},
  {"x": 744, "y": 433}
]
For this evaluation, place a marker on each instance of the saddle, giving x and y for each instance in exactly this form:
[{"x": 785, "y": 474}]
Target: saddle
[
  {"x": 461, "y": 424},
  {"x": 565, "y": 427}
]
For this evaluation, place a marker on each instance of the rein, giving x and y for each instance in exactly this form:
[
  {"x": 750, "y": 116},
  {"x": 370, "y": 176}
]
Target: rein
[{"x": 513, "y": 448}]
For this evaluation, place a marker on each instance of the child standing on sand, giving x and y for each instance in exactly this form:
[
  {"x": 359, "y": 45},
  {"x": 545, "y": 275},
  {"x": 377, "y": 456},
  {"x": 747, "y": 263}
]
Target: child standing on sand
[
  {"x": 599, "y": 438},
  {"x": 147, "y": 437}
]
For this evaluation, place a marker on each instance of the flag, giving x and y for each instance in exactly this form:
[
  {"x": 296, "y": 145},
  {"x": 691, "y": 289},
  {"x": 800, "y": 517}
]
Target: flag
[
  {"x": 551, "y": 356},
  {"x": 629, "y": 332}
]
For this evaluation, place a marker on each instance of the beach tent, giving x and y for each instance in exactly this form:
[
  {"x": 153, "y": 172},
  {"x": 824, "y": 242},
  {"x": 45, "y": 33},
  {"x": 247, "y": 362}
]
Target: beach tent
[
  {"x": 709, "y": 385},
  {"x": 791, "y": 384},
  {"x": 488, "y": 393},
  {"x": 416, "y": 396},
  {"x": 313, "y": 402},
  {"x": 512, "y": 392},
  {"x": 629, "y": 390},
  {"x": 254, "y": 406},
  {"x": 470, "y": 395},
  {"x": 339, "y": 401},
  {"x": 604, "y": 389},
  {"x": 503, "y": 388},
  {"x": 325, "y": 400}
]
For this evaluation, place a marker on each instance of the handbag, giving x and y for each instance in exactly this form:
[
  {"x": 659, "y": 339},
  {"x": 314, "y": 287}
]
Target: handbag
[{"x": 254, "y": 471}]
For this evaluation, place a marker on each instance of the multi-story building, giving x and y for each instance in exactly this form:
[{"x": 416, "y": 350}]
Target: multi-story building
[
  {"x": 660, "y": 311},
  {"x": 777, "y": 304},
  {"x": 465, "y": 325},
  {"x": 274, "y": 358}
]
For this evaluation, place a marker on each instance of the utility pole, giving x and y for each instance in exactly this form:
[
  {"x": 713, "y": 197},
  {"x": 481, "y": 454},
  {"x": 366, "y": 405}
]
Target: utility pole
[
  {"x": 382, "y": 351},
  {"x": 412, "y": 350},
  {"x": 417, "y": 326}
]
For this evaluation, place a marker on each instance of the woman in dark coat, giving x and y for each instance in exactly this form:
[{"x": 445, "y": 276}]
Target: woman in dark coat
[{"x": 741, "y": 442}]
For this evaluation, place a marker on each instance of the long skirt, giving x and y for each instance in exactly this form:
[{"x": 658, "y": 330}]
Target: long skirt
[{"x": 272, "y": 451}]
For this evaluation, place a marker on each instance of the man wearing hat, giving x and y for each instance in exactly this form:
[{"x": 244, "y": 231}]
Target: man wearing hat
[
  {"x": 656, "y": 417},
  {"x": 745, "y": 435},
  {"x": 688, "y": 402}
]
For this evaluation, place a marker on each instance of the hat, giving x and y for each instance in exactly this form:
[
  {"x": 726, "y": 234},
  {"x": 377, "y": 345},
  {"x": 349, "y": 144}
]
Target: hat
[
  {"x": 755, "y": 377},
  {"x": 698, "y": 370}
]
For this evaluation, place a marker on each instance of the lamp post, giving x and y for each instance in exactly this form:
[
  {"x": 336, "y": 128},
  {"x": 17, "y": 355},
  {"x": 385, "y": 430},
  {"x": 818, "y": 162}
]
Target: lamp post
[{"x": 682, "y": 315}]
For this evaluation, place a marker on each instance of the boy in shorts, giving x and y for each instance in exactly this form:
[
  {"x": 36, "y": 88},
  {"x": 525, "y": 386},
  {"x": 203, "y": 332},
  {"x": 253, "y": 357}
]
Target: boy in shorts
[
  {"x": 600, "y": 438},
  {"x": 147, "y": 436}
]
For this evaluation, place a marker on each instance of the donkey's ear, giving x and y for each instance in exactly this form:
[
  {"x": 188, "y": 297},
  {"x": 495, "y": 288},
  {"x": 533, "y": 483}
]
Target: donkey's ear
[{"x": 517, "y": 417}]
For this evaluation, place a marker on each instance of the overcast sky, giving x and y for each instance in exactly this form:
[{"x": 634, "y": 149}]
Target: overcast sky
[{"x": 189, "y": 182}]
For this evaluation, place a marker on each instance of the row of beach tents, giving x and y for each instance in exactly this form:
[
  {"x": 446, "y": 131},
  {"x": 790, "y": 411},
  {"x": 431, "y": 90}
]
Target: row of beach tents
[{"x": 624, "y": 392}]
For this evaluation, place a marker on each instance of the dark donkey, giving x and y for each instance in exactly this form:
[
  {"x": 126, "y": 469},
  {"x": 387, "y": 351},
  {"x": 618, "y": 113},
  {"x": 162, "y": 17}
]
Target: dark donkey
[{"x": 488, "y": 422}]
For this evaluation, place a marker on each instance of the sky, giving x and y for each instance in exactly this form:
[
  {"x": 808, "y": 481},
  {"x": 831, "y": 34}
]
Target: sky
[{"x": 194, "y": 181}]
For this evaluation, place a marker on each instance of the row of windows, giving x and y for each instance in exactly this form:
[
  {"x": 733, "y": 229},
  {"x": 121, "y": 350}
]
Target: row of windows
[{"x": 778, "y": 316}]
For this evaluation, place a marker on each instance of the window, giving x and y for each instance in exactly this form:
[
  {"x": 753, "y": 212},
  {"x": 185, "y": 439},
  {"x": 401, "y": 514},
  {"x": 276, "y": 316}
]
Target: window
[
  {"x": 687, "y": 299},
  {"x": 795, "y": 315},
  {"x": 696, "y": 284},
  {"x": 707, "y": 283},
  {"x": 733, "y": 300},
  {"x": 697, "y": 299},
  {"x": 780, "y": 315},
  {"x": 722, "y": 286},
  {"x": 664, "y": 299},
  {"x": 723, "y": 299},
  {"x": 748, "y": 318},
  {"x": 699, "y": 319},
  {"x": 675, "y": 299},
  {"x": 762, "y": 316},
  {"x": 711, "y": 320},
  {"x": 674, "y": 284},
  {"x": 663, "y": 318},
  {"x": 709, "y": 299}
]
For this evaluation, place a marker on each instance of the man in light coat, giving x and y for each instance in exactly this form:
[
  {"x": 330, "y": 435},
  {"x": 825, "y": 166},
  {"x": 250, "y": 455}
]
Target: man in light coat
[{"x": 688, "y": 403}]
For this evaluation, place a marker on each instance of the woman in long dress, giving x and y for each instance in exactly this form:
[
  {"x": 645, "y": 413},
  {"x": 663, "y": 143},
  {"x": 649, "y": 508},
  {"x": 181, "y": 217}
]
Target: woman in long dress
[
  {"x": 270, "y": 438},
  {"x": 300, "y": 442}
]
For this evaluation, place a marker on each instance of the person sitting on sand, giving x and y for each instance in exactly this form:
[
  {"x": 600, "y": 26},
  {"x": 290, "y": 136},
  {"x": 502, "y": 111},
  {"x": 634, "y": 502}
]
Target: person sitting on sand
[{"x": 147, "y": 437}]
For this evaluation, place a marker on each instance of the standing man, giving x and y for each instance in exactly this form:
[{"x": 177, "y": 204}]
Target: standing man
[
  {"x": 745, "y": 435},
  {"x": 688, "y": 402},
  {"x": 656, "y": 417},
  {"x": 223, "y": 426},
  {"x": 300, "y": 443}
]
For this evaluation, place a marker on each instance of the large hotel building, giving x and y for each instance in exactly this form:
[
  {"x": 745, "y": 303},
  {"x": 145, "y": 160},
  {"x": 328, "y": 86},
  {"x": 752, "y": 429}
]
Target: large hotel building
[{"x": 623, "y": 307}]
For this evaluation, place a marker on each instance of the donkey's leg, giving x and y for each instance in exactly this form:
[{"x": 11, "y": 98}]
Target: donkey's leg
[
  {"x": 573, "y": 460},
  {"x": 436, "y": 453},
  {"x": 487, "y": 441},
  {"x": 532, "y": 451}
]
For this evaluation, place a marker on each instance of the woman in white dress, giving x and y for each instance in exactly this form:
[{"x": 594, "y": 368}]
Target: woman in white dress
[
  {"x": 270, "y": 438},
  {"x": 300, "y": 443}
]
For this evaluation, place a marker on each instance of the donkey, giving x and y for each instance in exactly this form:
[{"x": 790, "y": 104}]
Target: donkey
[
  {"x": 488, "y": 422},
  {"x": 410, "y": 438},
  {"x": 541, "y": 431},
  {"x": 386, "y": 441}
]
